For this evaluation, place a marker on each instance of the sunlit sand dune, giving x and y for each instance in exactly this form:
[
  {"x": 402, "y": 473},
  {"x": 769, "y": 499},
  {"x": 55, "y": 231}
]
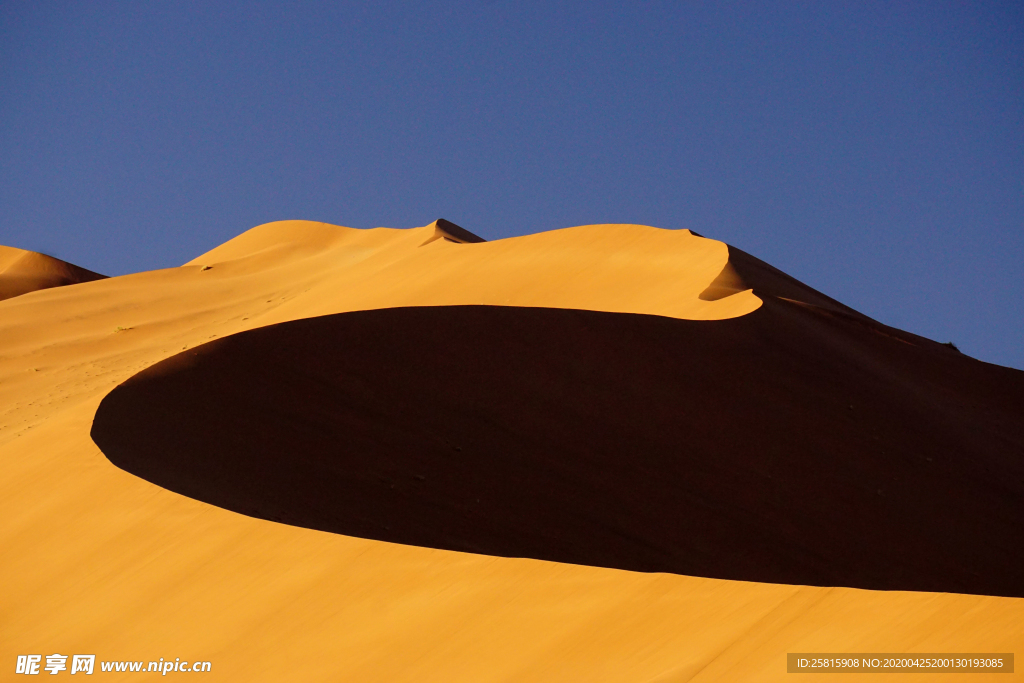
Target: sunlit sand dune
[
  {"x": 97, "y": 560},
  {"x": 24, "y": 271},
  {"x": 624, "y": 268}
]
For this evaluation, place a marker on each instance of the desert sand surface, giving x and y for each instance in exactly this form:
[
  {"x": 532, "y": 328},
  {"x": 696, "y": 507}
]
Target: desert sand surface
[
  {"x": 98, "y": 560},
  {"x": 24, "y": 271}
]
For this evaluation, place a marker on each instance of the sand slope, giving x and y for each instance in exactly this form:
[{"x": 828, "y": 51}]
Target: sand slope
[
  {"x": 93, "y": 559},
  {"x": 23, "y": 271}
]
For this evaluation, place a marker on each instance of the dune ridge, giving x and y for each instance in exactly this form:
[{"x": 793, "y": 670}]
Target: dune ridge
[
  {"x": 392, "y": 268},
  {"x": 88, "y": 548}
]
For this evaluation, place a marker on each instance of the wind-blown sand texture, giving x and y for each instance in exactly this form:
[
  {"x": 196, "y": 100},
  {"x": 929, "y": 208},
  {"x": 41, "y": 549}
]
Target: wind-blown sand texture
[
  {"x": 24, "y": 271},
  {"x": 98, "y": 560}
]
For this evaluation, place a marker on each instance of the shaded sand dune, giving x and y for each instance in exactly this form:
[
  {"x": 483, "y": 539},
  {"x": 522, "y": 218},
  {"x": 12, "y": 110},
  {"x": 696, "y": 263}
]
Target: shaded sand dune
[
  {"x": 790, "y": 445},
  {"x": 23, "y": 271},
  {"x": 94, "y": 559}
]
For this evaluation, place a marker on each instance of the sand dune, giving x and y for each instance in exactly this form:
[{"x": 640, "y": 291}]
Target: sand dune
[
  {"x": 619, "y": 268},
  {"x": 98, "y": 560},
  {"x": 23, "y": 271}
]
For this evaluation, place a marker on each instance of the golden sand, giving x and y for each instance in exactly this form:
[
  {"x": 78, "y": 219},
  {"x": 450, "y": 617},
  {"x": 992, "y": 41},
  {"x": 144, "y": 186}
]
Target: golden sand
[{"x": 95, "y": 560}]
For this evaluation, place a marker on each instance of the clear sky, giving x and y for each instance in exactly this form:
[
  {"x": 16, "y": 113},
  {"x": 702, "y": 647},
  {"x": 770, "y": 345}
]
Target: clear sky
[{"x": 873, "y": 151}]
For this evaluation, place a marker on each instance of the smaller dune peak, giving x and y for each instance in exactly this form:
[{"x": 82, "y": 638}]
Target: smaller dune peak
[
  {"x": 24, "y": 271},
  {"x": 454, "y": 233}
]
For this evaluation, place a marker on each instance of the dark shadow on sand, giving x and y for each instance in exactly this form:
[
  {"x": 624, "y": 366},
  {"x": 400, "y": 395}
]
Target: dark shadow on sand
[{"x": 792, "y": 445}]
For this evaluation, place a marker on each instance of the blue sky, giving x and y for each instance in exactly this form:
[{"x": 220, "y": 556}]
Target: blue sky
[{"x": 874, "y": 151}]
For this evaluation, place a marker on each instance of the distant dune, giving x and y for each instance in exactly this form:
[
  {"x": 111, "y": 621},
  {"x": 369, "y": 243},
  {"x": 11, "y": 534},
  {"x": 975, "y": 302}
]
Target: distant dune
[
  {"x": 468, "y": 444},
  {"x": 23, "y": 271}
]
